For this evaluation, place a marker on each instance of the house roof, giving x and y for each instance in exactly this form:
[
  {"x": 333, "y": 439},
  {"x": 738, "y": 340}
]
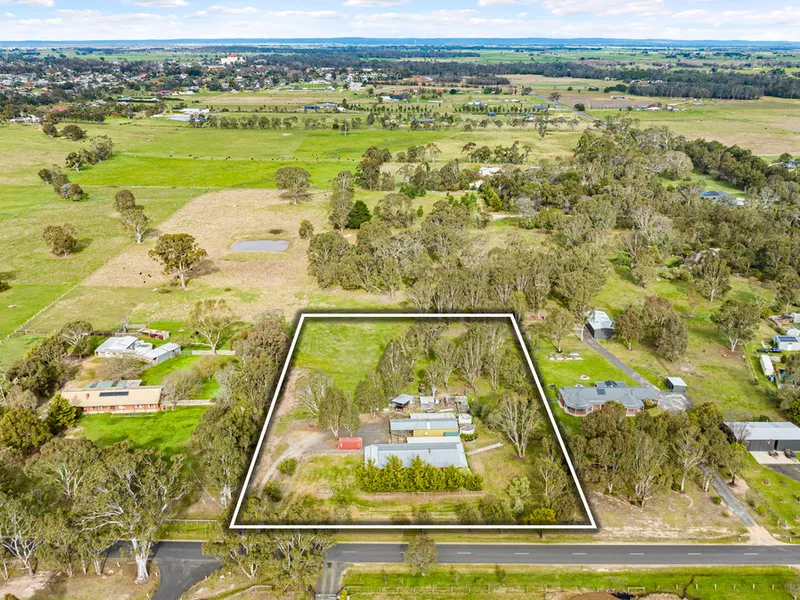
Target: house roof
[
  {"x": 423, "y": 424},
  {"x": 786, "y": 338},
  {"x": 435, "y": 454},
  {"x": 167, "y": 348},
  {"x": 118, "y": 344},
  {"x": 631, "y": 397},
  {"x": 129, "y": 344},
  {"x": 432, "y": 416},
  {"x": 117, "y": 396},
  {"x": 756, "y": 430},
  {"x": 599, "y": 319}
]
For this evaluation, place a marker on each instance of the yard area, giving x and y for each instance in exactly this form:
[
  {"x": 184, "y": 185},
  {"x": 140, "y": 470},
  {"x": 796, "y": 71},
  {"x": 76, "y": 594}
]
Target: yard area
[{"x": 773, "y": 499}]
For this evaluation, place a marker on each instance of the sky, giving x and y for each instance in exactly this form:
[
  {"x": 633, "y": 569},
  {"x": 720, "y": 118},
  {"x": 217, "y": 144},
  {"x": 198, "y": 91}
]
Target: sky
[{"x": 767, "y": 20}]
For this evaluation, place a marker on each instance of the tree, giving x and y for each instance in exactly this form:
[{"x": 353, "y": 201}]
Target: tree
[
  {"x": 368, "y": 395},
  {"x": 359, "y": 215},
  {"x": 672, "y": 338},
  {"x": 267, "y": 336},
  {"x": 395, "y": 368},
  {"x": 136, "y": 222},
  {"x": 629, "y": 327},
  {"x": 294, "y": 181},
  {"x": 713, "y": 276},
  {"x": 646, "y": 461},
  {"x": 20, "y": 529},
  {"x": 792, "y": 365},
  {"x": 22, "y": 429},
  {"x": 64, "y": 463},
  {"x": 251, "y": 552},
  {"x": 473, "y": 351},
  {"x": 178, "y": 253},
  {"x": 689, "y": 450},
  {"x": 737, "y": 320},
  {"x": 211, "y": 319},
  {"x": 131, "y": 493},
  {"x": 49, "y": 130},
  {"x": 341, "y": 207},
  {"x": 102, "y": 147},
  {"x": 788, "y": 292},
  {"x": 306, "y": 230},
  {"x": 448, "y": 354},
  {"x": 735, "y": 460},
  {"x": 337, "y": 411},
  {"x": 124, "y": 200},
  {"x": 73, "y": 132},
  {"x": 557, "y": 326},
  {"x": 433, "y": 151},
  {"x": 792, "y": 587},
  {"x": 541, "y": 516},
  {"x": 517, "y": 417},
  {"x": 61, "y": 239},
  {"x": 312, "y": 389},
  {"x": 421, "y": 554},
  {"x": 395, "y": 210},
  {"x": 60, "y": 414},
  {"x": 75, "y": 331}
]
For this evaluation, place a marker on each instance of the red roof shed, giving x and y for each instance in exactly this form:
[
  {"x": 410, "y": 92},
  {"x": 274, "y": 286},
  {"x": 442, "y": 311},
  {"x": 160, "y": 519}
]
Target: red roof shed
[{"x": 349, "y": 443}]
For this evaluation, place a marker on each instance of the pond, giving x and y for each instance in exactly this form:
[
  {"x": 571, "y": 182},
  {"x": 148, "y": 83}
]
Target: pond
[{"x": 260, "y": 246}]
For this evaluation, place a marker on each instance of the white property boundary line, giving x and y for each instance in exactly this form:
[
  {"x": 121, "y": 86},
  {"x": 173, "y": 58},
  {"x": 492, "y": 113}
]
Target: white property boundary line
[{"x": 592, "y": 525}]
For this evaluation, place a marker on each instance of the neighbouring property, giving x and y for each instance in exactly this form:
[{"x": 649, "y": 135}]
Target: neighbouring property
[
  {"x": 124, "y": 396},
  {"x": 579, "y": 401},
  {"x": 759, "y": 436},
  {"x": 786, "y": 343},
  {"x": 600, "y": 325},
  {"x": 128, "y": 345}
]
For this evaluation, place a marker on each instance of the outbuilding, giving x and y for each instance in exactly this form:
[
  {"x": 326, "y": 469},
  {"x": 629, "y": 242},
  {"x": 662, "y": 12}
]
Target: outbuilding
[
  {"x": 786, "y": 343},
  {"x": 600, "y": 325},
  {"x": 677, "y": 385},
  {"x": 766, "y": 436},
  {"x": 350, "y": 443},
  {"x": 766, "y": 366}
]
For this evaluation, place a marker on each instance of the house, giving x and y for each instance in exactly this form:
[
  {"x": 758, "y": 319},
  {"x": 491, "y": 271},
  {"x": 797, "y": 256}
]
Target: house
[
  {"x": 764, "y": 437},
  {"x": 128, "y": 345},
  {"x": 435, "y": 454},
  {"x": 766, "y": 366},
  {"x": 580, "y": 401},
  {"x": 677, "y": 385},
  {"x": 713, "y": 195},
  {"x": 424, "y": 425},
  {"x": 786, "y": 343},
  {"x": 600, "y": 325},
  {"x": 124, "y": 396}
]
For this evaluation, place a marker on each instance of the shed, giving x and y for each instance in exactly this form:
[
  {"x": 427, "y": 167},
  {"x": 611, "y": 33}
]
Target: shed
[
  {"x": 402, "y": 400},
  {"x": 676, "y": 384},
  {"x": 600, "y": 325},
  {"x": 350, "y": 443},
  {"x": 765, "y": 436},
  {"x": 427, "y": 402},
  {"x": 436, "y": 454},
  {"x": 766, "y": 366}
]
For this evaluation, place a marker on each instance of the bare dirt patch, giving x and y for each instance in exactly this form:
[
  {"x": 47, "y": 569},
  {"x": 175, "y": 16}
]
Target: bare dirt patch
[{"x": 265, "y": 281}]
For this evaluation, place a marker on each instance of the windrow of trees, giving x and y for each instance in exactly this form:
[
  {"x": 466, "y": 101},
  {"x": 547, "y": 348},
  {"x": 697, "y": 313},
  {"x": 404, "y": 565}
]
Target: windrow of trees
[{"x": 419, "y": 476}]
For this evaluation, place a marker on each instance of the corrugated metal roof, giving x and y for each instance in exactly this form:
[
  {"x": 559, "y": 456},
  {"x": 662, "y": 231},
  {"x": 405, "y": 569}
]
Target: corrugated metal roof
[
  {"x": 435, "y": 454},
  {"x": 582, "y": 398},
  {"x": 757, "y": 430},
  {"x": 422, "y": 424}
]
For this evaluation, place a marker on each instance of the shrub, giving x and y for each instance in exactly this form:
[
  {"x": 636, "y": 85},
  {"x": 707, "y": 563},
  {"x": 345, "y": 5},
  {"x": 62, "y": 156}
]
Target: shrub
[
  {"x": 73, "y": 132},
  {"x": 287, "y": 467},
  {"x": 273, "y": 491},
  {"x": 469, "y": 437},
  {"x": 716, "y": 500},
  {"x": 306, "y": 229},
  {"x": 72, "y": 191}
]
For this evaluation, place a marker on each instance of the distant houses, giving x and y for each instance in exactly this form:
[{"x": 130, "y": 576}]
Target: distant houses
[
  {"x": 128, "y": 345},
  {"x": 124, "y": 396},
  {"x": 580, "y": 401}
]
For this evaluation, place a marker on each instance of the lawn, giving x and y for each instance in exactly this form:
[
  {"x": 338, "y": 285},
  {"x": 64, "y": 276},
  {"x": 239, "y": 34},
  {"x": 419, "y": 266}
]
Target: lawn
[
  {"x": 773, "y": 498},
  {"x": 166, "y": 431},
  {"x": 474, "y": 582}
]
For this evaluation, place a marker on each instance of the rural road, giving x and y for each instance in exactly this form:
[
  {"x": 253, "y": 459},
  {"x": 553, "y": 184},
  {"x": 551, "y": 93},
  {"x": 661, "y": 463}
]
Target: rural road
[{"x": 182, "y": 564}]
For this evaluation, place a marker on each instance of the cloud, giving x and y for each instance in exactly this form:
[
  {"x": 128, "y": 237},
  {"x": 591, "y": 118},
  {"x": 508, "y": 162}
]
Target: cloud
[
  {"x": 41, "y": 3},
  {"x": 160, "y": 3},
  {"x": 218, "y": 9},
  {"x": 496, "y": 2},
  {"x": 375, "y": 3},
  {"x": 306, "y": 14}
]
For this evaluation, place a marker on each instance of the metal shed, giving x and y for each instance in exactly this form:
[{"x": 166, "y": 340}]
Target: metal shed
[
  {"x": 676, "y": 384},
  {"x": 765, "y": 436}
]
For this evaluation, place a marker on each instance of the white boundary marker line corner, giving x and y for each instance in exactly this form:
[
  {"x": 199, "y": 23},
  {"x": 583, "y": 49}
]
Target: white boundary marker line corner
[{"x": 592, "y": 525}]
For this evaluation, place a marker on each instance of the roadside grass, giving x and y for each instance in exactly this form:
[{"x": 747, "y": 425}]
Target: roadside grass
[
  {"x": 166, "y": 431},
  {"x": 121, "y": 579},
  {"x": 512, "y": 581},
  {"x": 774, "y": 499}
]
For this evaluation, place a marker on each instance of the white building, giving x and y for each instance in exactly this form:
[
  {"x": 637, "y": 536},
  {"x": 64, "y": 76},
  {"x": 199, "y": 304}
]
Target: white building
[
  {"x": 787, "y": 343},
  {"x": 128, "y": 345}
]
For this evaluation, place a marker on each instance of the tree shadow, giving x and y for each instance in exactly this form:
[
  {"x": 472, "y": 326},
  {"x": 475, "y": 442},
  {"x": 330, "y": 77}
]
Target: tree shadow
[{"x": 82, "y": 244}]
